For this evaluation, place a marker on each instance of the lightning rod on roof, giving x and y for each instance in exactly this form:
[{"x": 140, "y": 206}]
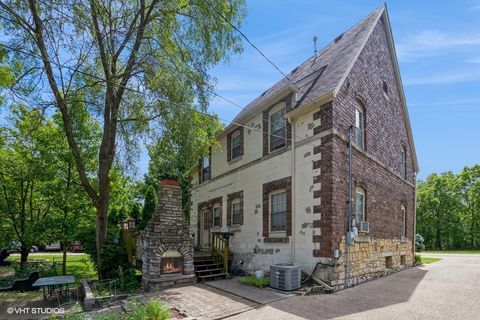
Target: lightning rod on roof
[{"x": 315, "y": 52}]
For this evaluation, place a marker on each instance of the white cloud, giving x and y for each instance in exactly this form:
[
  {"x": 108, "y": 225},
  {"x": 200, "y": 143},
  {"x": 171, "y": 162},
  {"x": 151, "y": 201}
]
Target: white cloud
[{"x": 433, "y": 42}]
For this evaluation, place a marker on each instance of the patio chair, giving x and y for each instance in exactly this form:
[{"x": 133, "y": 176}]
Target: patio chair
[
  {"x": 67, "y": 295},
  {"x": 21, "y": 285}
]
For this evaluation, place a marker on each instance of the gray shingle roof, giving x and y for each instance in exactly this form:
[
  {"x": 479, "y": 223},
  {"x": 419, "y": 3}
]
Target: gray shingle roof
[{"x": 337, "y": 58}]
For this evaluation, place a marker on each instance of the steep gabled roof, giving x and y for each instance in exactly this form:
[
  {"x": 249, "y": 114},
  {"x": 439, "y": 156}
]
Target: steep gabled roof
[
  {"x": 325, "y": 74},
  {"x": 336, "y": 59}
]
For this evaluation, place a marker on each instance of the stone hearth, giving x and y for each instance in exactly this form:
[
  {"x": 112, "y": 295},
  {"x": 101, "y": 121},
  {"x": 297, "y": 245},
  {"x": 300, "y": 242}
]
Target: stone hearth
[{"x": 166, "y": 243}]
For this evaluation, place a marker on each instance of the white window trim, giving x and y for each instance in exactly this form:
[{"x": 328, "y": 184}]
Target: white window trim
[
  {"x": 234, "y": 201},
  {"x": 216, "y": 206},
  {"x": 275, "y": 109},
  {"x": 234, "y": 134},
  {"x": 275, "y": 233},
  {"x": 359, "y": 109},
  {"x": 360, "y": 190}
]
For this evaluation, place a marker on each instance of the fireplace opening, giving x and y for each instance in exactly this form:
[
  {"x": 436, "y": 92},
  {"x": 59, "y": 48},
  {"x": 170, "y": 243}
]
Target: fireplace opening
[{"x": 171, "y": 263}]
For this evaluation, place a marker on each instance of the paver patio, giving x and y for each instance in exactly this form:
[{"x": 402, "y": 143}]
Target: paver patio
[{"x": 202, "y": 301}]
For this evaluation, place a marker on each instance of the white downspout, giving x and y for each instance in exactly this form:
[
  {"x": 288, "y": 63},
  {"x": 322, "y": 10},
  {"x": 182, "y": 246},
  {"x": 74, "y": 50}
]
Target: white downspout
[{"x": 294, "y": 228}]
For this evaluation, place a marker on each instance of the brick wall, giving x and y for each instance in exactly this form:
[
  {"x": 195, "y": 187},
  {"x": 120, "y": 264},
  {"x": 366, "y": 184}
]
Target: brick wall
[{"x": 378, "y": 168}]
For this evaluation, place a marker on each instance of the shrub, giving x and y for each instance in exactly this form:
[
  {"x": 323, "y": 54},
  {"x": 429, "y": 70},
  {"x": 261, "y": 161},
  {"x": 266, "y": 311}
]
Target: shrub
[
  {"x": 152, "y": 310},
  {"x": 114, "y": 260},
  {"x": 419, "y": 242},
  {"x": 255, "y": 282}
]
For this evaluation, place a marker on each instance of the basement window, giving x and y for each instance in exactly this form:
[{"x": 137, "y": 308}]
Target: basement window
[{"x": 388, "y": 262}]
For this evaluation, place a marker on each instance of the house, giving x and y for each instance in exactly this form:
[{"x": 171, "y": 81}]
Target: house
[{"x": 279, "y": 179}]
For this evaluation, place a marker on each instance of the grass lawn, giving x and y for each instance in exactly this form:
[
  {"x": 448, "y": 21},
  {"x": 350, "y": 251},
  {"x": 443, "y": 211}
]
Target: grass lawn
[
  {"x": 255, "y": 282},
  {"x": 425, "y": 260},
  {"x": 453, "y": 251},
  {"x": 78, "y": 264}
]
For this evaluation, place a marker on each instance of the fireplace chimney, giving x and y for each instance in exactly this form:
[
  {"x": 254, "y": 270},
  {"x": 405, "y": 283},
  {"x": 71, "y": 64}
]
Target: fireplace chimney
[{"x": 167, "y": 244}]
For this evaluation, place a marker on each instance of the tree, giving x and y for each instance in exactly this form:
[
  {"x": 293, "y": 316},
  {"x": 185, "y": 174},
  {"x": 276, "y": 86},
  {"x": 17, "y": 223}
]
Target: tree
[
  {"x": 118, "y": 57},
  {"x": 187, "y": 136},
  {"x": 468, "y": 184},
  {"x": 27, "y": 176},
  {"x": 148, "y": 207}
]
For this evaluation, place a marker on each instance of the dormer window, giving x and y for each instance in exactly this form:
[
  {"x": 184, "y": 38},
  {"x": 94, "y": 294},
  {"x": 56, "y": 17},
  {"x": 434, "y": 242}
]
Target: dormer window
[{"x": 277, "y": 129}]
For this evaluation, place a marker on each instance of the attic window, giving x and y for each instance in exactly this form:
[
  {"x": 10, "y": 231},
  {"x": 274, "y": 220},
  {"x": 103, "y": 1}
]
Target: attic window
[
  {"x": 338, "y": 38},
  {"x": 385, "y": 88}
]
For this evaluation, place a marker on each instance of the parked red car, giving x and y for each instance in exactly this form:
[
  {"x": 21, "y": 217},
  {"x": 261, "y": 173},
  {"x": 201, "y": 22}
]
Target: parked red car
[{"x": 76, "y": 247}]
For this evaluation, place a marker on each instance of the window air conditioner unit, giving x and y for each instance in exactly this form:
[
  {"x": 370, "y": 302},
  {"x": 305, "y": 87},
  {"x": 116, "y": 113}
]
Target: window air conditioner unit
[
  {"x": 364, "y": 226},
  {"x": 285, "y": 276}
]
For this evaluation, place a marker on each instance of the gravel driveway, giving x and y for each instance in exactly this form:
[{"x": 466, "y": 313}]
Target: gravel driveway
[{"x": 447, "y": 289}]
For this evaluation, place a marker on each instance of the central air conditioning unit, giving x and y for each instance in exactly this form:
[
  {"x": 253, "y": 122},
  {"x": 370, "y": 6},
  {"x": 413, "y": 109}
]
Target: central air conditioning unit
[
  {"x": 364, "y": 226},
  {"x": 285, "y": 276}
]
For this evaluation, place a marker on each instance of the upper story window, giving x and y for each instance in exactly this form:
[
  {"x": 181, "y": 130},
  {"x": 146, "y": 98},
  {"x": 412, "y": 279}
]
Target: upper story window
[
  {"x": 359, "y": 205},
  {"x": 205, "y": 169},
  {"x": 404, "y": 221},
  {"x": 277, "y": 129},
  {"x": 360, "y": 127},
  {"x": 403, "y": 164},
  {"x": 236, "y": 209},
  {"x": 235, "y": 144},
  {"x": 278, "y": 211},
  {"x": 217, "y": 215}
]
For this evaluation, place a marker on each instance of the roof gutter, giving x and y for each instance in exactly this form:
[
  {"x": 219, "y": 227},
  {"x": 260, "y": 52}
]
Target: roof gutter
[{"x": 310, "y": 106}]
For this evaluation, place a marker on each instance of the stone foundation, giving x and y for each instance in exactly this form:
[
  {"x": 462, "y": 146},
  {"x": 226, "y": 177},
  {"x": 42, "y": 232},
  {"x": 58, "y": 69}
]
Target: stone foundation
[{"x": 369, "y": 258}]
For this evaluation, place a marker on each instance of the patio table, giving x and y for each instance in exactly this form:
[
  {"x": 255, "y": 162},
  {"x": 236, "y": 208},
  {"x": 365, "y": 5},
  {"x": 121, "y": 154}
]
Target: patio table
[{"x": 50, "y": 283}]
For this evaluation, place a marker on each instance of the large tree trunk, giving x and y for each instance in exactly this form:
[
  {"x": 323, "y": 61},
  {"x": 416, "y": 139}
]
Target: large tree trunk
[
  {"x": 64, "y": 262},
  {"x": 101, "y": 226},
  {"x": 24, "y": 251}
]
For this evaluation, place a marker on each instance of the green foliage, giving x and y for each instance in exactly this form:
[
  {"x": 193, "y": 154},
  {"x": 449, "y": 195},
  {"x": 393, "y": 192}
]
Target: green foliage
[
  {"x": 256, "y": 282},
  {"x": 448, "y": 210},
  {"x": 152, "y": 310},
  {"x": 148, "y": 207},
  {"x": 114, "y": 260},
  {"x": 419, "y": 243}
]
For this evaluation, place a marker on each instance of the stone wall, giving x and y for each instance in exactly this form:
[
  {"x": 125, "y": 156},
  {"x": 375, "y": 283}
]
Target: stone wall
[{"x": 166, "y": 230}]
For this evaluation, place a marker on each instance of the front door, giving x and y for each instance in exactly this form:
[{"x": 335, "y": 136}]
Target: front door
[{"x": 204, "y": 232}]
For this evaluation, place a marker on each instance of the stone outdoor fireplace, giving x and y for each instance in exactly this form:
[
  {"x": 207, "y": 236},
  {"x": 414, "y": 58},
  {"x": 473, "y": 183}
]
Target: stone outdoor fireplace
[
  {"x": 171, "y": 263},
  {"x": 166, "y": 244}
]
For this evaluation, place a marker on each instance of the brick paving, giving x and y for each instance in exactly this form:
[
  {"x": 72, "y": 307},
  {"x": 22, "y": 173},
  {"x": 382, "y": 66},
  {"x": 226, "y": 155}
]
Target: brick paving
[{"x": 205, "y": 302}]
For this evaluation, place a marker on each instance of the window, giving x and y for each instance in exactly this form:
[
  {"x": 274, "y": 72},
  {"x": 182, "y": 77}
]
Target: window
[
  {"x": 205, "y": 168},
  {"x": 217, "y": 215},
  {"x": 359, "y": 205},
  {"x": 236, "y": 210},
  {"x": 403, "y": 165},
  {"x": 360, "y": 127},
  {"x": 278, "y": 130},
  {"x": 236, "y": 144},
  {"x": 278, "y": 211},
  {"x": 404, "y": 221},
  {"x": 385, "y": 88}
]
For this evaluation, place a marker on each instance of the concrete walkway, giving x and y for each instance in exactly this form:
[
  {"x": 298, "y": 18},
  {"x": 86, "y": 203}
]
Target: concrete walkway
[
  {"x": 261, "y": 296},
  {"x": 447, "y": 289}
]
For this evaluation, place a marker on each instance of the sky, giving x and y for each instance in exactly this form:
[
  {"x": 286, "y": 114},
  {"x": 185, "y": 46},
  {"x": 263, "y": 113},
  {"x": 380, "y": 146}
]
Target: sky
[{"x": 437, "y": 44}]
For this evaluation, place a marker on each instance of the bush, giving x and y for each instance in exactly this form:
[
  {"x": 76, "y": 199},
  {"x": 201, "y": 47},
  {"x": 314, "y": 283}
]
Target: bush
[
  {"x": 114, "y": 260},
  {"x": 255, "y": 282},
  {"x": 152, "y": 310},
  {"x": 419, "y": 242}
]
